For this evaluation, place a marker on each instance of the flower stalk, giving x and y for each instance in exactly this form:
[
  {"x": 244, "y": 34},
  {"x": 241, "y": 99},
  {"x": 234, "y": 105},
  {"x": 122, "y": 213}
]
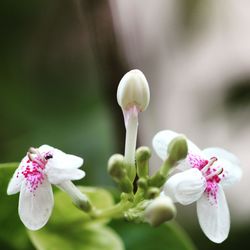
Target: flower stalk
[
  {"x": 78, "y": 198},
  {"x": 131, "y": 121}
]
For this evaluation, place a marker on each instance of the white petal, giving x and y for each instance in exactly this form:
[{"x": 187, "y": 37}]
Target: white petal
[
  {"x": 185, "y": 187},
  {"x": 62, "y": 160},
  {"x": 35, "y": 207},
  {"x": 45, "y": 148},
  {"x": 232, "y": 171},
  {"x": 59, "y": 175},
  {"x": 221, "y": 153},
  {"x": 17, "y": 178},
  {"x": 161, "y": 141},
  {"x": 214, "y": 217}
]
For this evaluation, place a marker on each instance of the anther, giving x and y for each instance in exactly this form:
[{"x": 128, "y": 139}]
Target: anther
[
  {"x": 210, "y": 163},
  {"x": 217, "y": 172}
]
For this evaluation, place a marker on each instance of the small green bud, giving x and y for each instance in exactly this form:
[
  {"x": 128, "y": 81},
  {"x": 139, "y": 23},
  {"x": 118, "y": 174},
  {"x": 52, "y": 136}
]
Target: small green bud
[
  {"x": 160, "y": 210},
  {"x": 116, "y": 167},
  {"x": 143, "y": 155},
  {"x": 153, "y": 192},
  {"x": 142, "y": 183},
  {"x": 178, "y": 149}
]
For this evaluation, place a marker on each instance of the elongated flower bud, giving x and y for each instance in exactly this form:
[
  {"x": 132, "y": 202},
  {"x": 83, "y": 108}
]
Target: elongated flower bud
[
  {"x": 143, "y": 155},
  {"x": 116, "y": 167},
  {"x": 117, "y": 170},
  {"x": 133, "y": 90},
  {"x": 160, "y": 210},
  {"x": 178, "y": 148}
]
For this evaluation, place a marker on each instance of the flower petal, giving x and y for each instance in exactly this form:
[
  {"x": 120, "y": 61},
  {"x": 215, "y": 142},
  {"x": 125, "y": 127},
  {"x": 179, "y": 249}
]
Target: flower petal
[
  {"x": 45, "y": 148},
  {"x": 232, "y": 171},
  {"x": 214, "y": 217},
  {"x": 65, "y": 161},
  {"x": 17, "y": 178},
  {"x": 160, "y": 144},
  {"x": 58, "y": 175},
  {"x": 221, "y": 153},
  {"x": 35, "y": 207},
  {"x": 185, "y": 187}
]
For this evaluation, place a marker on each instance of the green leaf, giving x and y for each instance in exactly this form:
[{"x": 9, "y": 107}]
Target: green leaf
[
  {"x": 13, "y": 228},
  {"x": 77, "y": 238},
  {"x": 143, "y": 236},
  {"x": 72, "y": 229},
  {"x": 65, "y": 211}
]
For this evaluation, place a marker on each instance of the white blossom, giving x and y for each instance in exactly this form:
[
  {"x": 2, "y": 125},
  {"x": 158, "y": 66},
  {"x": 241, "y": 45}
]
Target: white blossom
[
  {"x": 33, "y": 178},
  {"x": 202, "y": 177}
]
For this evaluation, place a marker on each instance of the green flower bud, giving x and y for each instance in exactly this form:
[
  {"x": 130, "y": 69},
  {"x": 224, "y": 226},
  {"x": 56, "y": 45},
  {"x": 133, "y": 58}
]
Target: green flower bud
[
  {"x": 160, "y": 210},
  {"x": 116, "y": 167},
  {"x": 143, "y": 155},
  {"x": 178, "y": 148},
  {"x": 142, "y": 183},
  {"x": 153, "y": 192},
  {"x": 133, "y": 90}
]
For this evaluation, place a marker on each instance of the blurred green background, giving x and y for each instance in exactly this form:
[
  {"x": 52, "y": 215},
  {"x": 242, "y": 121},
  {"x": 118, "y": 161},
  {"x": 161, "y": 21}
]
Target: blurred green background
[{"x": 60, "y": 64}]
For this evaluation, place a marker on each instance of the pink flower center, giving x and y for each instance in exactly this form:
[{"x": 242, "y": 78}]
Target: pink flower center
[
  {"x": 211, "y": 172},
  {"x": 33, "y": 169}
]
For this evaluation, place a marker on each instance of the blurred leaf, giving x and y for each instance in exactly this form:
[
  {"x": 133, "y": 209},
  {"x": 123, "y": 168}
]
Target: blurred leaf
[
  {"x": 65, "y": 211},
  {"x": 142, "y": 236},
  {"x": 13, "y": 234},
  {"x": 69, "y": 228},
  {"x": 77, "y": 238}
]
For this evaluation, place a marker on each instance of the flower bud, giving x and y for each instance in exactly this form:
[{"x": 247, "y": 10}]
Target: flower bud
[
  {"x": 116, "y": 166},
  {"x": 160, "y": 210},
  {"x": 117, "y": 170},
  {"x": 178, "y": 148},
  {"x": 142, "y": 183},
  {"x": 133, "y": 90},
  {"x": 142, "y": 157},
  {"x": 153, "y": 192}
]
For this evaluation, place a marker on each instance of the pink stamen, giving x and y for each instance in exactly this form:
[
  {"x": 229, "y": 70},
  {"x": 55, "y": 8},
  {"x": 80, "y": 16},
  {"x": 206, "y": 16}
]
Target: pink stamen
[
  {"x": 33, "y": 170},
  {"x": 211, "y": 173}
]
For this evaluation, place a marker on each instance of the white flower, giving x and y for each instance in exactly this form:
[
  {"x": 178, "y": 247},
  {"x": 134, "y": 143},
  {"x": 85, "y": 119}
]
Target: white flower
[
  {"x": 33, "y": 178},
  {"x": 202, "y": 178}
]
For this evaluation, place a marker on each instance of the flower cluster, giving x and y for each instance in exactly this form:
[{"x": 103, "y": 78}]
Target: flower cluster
[{"x": 187, "y": 175}]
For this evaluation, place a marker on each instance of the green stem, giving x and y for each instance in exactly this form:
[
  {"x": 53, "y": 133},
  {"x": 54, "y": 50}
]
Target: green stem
[
  {"x": 117, "y": 211},
  {"x": 139, "y": 195}
]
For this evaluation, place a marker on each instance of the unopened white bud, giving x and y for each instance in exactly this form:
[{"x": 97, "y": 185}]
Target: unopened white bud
[
  {"x": 160, "y": 210},
  {"x": 133, "y": 90}
]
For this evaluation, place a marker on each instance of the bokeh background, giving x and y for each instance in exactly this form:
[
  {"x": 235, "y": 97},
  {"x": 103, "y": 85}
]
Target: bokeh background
[{"x": 61, "y": 62}]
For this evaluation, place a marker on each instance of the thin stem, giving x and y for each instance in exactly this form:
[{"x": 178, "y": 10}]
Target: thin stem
[
  {"x": 131, "y": 121},
  {"x": 78, "y": 198},
  {"x": 113, "y": 212},
  {"x": 139, "y": 195}
]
